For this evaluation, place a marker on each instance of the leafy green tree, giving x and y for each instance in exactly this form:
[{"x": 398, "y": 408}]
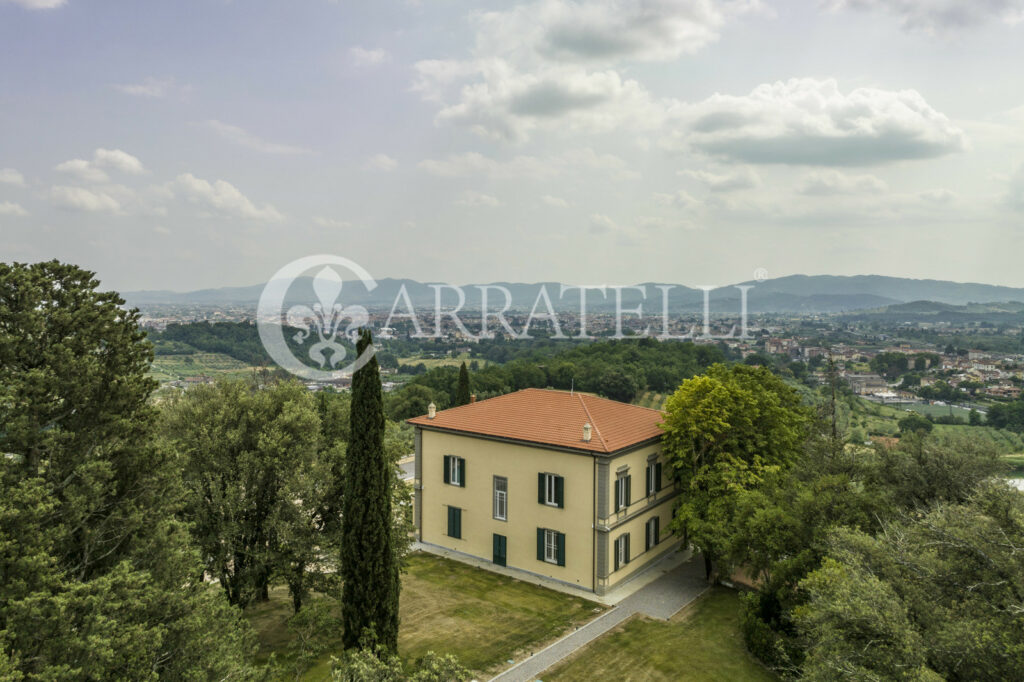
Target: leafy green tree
[
  {"x": 369, "y": 569},
  {"x": 618, "y": 386},
  {"x": 462, "y": 392},
  {"x": 974, "y": 418},
  {"x": 98, "y": 579},
  {"x": 889, "y": 365},
  {"x": 253, "y": 482},
  {"x": 914, "y": 422},
  {"x": 412, "y": 401},
  {"x": 724, "y": 432},
  {"x": 368, "y": 665}
]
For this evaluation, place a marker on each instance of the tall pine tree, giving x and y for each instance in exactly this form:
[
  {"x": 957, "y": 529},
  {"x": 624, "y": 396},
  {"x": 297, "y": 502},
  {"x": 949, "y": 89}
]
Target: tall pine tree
[
  {"x": 369, "y": 567},
  {"x": 462, "y": 393}
]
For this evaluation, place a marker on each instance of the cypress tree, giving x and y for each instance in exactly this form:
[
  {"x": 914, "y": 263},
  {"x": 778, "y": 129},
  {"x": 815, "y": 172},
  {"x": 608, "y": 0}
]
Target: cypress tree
[
  {"x": 462, "y": 392},
  {"x": 369, "y": 568}
]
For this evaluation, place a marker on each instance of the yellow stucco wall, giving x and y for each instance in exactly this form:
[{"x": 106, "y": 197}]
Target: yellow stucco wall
[
  {"x": 637, "y": 529},
  {"x": 520, "y": 464}
]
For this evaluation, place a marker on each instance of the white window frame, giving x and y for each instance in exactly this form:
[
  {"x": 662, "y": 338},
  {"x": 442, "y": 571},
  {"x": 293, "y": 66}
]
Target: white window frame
[
  {"x": 550, "y": 490},
  {"x": 453, "y": 470},
  {"x": 620, "y": 548},
  {"x": 651, "y": 473},
  {"x": 500, "y": 498},
  {"x": 620, "y": 482},
  {"x": 551, "y": 546},
  {"x": 651, "y": 539}
]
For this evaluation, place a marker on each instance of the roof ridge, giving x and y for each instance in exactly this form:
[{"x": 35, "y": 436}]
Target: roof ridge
[{"x": 593, "y": 424}]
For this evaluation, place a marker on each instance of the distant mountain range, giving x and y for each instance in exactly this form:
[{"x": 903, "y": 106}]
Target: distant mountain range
[{"x": 795, "y": 293}]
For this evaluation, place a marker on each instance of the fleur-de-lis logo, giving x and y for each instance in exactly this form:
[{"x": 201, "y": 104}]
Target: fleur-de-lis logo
[
  {"x": 325, "y": 318},
  {"x": 324, "y": 324}
]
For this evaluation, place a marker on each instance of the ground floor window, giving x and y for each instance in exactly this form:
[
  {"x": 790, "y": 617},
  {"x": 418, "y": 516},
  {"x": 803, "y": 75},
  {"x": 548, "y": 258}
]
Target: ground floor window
[
  {"x": 455, "y": 522},
  {"x": 622, "y": 551},
  {"x": 653, "y": 532},
  {"x": 551, "y": 546}
]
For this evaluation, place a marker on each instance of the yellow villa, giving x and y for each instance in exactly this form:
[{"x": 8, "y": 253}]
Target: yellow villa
[{"x": 562, "y": 485}]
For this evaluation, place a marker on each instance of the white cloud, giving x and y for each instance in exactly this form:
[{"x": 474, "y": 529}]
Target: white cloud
[
  {"x": 1015, "y": 190},
  {"x": 680, "y": 199},
  {"x": 524, "y": 166},
  {"x": 937, "y": 16},
  {"x": 808, "y": 121},
  {"x": 321, "y": 221},
  {"x": 11, "y": 208},
  {"x": 599, "y": 223},
  {"x": 741, "y": 178},
  {"x": 381, "y": 162},
  {"x": 83, "y": 170},
  {"x": 9, "y": 176},
  {"x": 362, "y": 56},
  {"x": 153, "y": 87},
  {"x": 477, "y": 199},
  {"x": 37, "y": 4},
  {"x": 92, "y": 171},
  {"x": 119, "y": 160},
  {"x": 832, "y": 182},
  {"x": 245, "y": 139},
  {"x": 81, "y": 199},
  {"x": 224, "y": 198},
  {"x": 556, "y": 202},
  {"x": 507, "y": 104}
]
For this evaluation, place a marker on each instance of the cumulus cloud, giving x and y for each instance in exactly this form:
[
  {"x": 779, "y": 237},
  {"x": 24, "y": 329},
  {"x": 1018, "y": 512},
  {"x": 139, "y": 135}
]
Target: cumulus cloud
[
  {"x": 680, "y": 199},
  {"x": 37, "y": 4},
  {"x": 93, "y": 171},
  {"x": 741, "y": 178},
  {"x": 556, "y": 202},
  {"x": 81, "y": 199},
  {"x": 381, "y": 162},
  {"x": 12, "y": 209},
  {"x": 9, "y": 176},
  {"x": 473, "y": 163},
  {"x": 153, "y": 87},
  {"x": 939, "y": 16},
  {"x": 832, "y": 182},
  {"x": 243, "y": 138},
  {"x": 362, "y": 56},
  {"x": 811, "y": 122},
  {"x": 223, "y": 197},
  {"x": 477, "y": 199},
  {"x": 321, "y": 221}
]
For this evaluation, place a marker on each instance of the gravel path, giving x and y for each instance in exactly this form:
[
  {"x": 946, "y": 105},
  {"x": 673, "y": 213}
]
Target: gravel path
[{"x": 660, "y": 599}]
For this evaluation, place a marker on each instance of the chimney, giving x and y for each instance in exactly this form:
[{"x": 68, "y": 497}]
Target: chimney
[
  {"x": 431, "y": 410},
  {"x": 472, "y": 398},
  {"x": 586, "y": 433}
]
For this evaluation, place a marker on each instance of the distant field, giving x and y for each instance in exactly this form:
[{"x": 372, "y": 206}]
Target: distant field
[
  {"x": 431, "y": 363},
  {"x": 177, "y": 367},
  {"x": 652, "y": 399}
]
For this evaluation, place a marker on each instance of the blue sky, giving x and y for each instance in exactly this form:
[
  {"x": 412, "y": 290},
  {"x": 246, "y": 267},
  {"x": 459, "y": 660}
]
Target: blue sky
[{"x": 191, "y": 144}]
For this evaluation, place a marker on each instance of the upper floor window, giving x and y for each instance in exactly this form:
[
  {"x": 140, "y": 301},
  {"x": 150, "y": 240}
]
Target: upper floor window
[
  {"x": 455, "y": 470},
  {"x": 653, "y": 477},
  {"x": 501, "y": 498},
  {"x": 551, "y": 490},
  {"x": 622, "y": 492}
]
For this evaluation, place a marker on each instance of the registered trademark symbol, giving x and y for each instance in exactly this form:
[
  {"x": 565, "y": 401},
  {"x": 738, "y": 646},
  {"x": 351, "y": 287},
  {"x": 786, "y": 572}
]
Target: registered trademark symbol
[{"x": 760, "y": 274}]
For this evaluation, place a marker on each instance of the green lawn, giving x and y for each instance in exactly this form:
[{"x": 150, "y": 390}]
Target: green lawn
[
  {"x": 431, "y": 363},
  {"x": 652, "y": 399},
  {"x": 448, "y": 607},
  {"x": 702, "y": 642}
]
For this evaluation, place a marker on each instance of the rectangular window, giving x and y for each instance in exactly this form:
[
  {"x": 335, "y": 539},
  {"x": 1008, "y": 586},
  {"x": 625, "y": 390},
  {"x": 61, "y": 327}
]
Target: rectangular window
[
  {"x": 622, "y": 551},
  {"x": 455, "y": 470},
  {"x": 501, "y": 498},
  {"x": 653, "y": 533},
  {"x": 622, "y": 486},
  {"x": 551, "y": 490},
  {"x": 550, "y": 546},
  {"x": 455, "y": 523},
  {"x": 653, "y": 478}
]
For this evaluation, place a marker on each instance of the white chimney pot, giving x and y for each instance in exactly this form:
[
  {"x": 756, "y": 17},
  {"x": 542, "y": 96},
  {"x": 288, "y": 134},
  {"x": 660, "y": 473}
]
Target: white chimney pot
[
  {"x": 586, "y": 433},
  {"x": 431, "y": 410}
]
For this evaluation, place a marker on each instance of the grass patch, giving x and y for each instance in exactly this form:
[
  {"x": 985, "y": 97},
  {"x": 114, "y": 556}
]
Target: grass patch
[
  {"x": 651, "y": 399},
  {"x": 448, "y": 607},
  {"x": 177, "y": 367},
  {"x": 453, "y": 361},
  {"x": 702, "y": 642}
]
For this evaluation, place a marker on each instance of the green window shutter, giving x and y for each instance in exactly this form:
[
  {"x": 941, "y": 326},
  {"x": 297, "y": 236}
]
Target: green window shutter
[
  {"x": 540, "y": 544},
  {"x": 618, "y": 502},
  {"x": 657, "y": 529},
  {"x": 626, "y": 538},
  {"x": 447, "y": 469},
  {"x": 561, "y": 549},
  {"x": 451, "y": 523},
  {"x": 540, "y": 491},
  {"x": 462, "y": 472},
  {"x": 458, "y": 523},
  {"x": 560, "y": 491},
  {"x": 615, "y": 547},
  {"x": 629, "y": 492},
  {"x": 657, "y": 477},
  {"x": 647, "y": 534}
]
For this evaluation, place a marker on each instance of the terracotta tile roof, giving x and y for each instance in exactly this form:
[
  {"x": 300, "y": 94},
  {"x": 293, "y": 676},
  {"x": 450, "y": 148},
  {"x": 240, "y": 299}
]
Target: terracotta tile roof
[{"x": 552, "y": 418}]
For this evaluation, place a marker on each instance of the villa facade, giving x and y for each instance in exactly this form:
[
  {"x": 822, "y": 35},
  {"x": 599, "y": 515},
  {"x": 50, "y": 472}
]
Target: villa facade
[{"x": 564, "y": 485}]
